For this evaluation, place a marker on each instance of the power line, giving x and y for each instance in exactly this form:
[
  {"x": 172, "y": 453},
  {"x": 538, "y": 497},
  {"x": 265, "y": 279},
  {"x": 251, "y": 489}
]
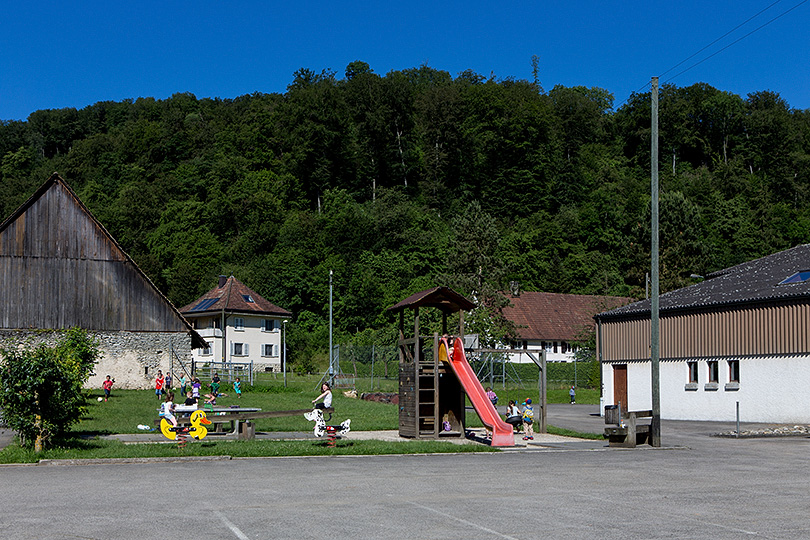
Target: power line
[
  {"x": 734, "y": 42},
  {"x": 722, "y": 49},
  {"x": 721, "y": 37}
]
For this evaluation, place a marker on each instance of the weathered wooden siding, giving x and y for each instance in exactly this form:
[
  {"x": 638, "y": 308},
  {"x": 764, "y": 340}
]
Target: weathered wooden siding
[
  {"x": 768, "y": 329},
  {"x": 59, "y": 269}
]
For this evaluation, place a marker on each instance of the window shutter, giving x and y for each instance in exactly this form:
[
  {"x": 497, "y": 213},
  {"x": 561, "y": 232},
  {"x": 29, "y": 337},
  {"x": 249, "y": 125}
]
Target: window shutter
[
  {"x": 245, "y": 350},
  {"x": 232, "y": 348}
]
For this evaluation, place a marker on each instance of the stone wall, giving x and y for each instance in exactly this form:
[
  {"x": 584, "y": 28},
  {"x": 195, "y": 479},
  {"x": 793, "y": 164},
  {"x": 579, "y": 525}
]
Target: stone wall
[{"x": 131, "y": 358}]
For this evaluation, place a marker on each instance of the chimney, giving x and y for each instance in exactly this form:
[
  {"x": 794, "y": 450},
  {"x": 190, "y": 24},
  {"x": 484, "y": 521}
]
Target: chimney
[
  {"x": 514, "y": 287},
  {"x": 222, "y": 281}
]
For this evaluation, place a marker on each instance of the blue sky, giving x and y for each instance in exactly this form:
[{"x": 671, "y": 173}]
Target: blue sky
[{"x": 73, "y": 54}]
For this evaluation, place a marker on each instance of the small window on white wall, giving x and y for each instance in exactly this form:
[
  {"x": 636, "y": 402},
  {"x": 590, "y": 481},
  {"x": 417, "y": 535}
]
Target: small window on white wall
[
  {"x": 269, "y": 349},
  {"x": 692, "y": 376},
  {"x": 239, "y": 323},
  {"x": 693, "y": 372},
  {"x": 206, "y": 351},
  {"x": 239, "y": 349},
  {"x": 712, "y": 372},
  {"x": 733, "y": 375},
  {"x": 269, "y": 325}
]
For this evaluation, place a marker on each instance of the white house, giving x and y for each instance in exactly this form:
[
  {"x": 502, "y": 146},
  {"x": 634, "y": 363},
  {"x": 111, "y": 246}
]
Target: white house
[
  {"x": 252, "y": 326},
  {"x": 741, "y": 336},
  {"x": 554, "y": 322}
]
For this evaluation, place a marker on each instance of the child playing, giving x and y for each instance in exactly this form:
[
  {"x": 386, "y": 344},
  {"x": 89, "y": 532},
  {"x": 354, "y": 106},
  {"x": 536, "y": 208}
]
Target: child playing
[
  {"x": 237, "y": 387},
  {"x": 107, "y": 386},
  {"x": 168, "y": 409},
  {"x": 528, "y": 420},
  {"x": 159, "y": 382},
  {"x": 513, "y": 415},
  {"x": 327, "y": 397},
  {"x": 190, "y": 399},
  {"x": 493, "y": 397},
  {"x": 196, "y": 386}
]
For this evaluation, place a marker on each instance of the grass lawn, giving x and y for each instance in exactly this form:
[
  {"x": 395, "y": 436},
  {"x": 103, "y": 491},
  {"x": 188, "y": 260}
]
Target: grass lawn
[{"x": 126, "y": 409}]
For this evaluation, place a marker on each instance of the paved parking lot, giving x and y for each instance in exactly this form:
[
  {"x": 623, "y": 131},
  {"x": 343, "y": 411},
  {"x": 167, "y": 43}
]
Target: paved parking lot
[{"x": 698, "y": 487}]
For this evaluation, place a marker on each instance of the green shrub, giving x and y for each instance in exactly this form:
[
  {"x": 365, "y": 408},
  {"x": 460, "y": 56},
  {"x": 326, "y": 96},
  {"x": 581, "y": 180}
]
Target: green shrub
[{"x": 41, "y": 389}]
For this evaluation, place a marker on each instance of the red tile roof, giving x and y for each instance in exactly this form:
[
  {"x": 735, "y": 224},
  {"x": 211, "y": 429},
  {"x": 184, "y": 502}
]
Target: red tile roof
[
  {"x": 233, "y": 296},
  {"x": 553, "y": 316}
]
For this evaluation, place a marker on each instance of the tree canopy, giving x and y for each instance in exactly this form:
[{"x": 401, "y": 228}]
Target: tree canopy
[{"x": 403, "y": 181}]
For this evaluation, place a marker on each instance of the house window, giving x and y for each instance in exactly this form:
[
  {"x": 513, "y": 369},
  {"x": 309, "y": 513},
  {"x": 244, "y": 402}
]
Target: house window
[
  {"x": 239, "y": 323},
  {"x": 712, "y": 371},
  {"x": 734, "y": 371},
  {"x": 269, "y": 349},
  {"x": 693, "y": 372},
  {"x": 213, "y": 322},
  {"x": 692, "y": 376},
  {"x": 268, "y": 325},
  {"x": 563, "y": 347},
  {"x": 711, "y": 385},
  {"x": 248, "y": 298},
  {"x": 239, "y": 349},
  {"x": 555, "y": 347},
  {"x": 206, "y": 350},
  {"x": 733, "y": 383}
]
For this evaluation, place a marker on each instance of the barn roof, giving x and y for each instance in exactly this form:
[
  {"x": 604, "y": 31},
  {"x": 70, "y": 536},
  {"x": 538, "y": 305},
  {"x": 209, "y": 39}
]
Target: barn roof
[
  {"x": 233, "y": 296},
  {"x": 443, "y": 298},
  {"x": 62, "y": 268},
  {"x": 780, "y": 277},
  {"x": 553, "y": 316}
]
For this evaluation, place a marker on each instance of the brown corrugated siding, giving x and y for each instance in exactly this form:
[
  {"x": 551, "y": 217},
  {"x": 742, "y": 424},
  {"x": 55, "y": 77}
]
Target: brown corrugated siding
[{"x": 759, "y": 330}]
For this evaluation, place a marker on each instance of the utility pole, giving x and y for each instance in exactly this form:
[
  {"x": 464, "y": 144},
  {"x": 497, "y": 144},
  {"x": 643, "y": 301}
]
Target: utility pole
[
  {"x": 331, "y": 367},
  {"x": 655, "y": 335},
  {"x": 284, "y": 350}
]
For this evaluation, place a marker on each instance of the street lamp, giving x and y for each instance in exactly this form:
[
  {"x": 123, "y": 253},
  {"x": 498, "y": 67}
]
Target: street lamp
[{"x": 284, "y": 350}]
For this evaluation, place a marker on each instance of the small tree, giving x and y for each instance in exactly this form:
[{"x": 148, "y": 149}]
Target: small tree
[{"x": 41, "y": 389}]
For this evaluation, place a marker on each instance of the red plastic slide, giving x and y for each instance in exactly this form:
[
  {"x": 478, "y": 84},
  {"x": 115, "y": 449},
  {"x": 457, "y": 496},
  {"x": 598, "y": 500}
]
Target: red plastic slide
[{"x": 501, "y": 431}]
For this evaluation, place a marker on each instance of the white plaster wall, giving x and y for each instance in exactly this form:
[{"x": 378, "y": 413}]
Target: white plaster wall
[{"x": 770, "y": 390}]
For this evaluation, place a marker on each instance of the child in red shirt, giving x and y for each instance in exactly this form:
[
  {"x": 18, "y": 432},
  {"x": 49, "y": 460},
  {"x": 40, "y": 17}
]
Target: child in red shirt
[
  {"x": 107, "y": 386},
  {"x": 159, "y": 382}
]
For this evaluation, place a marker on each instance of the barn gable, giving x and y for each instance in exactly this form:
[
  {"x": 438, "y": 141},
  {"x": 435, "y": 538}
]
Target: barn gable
[{"x": 59, "y": 268}]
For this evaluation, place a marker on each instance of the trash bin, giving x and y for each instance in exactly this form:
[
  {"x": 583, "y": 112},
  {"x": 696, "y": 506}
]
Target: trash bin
[{"x": 612, "y": 414}]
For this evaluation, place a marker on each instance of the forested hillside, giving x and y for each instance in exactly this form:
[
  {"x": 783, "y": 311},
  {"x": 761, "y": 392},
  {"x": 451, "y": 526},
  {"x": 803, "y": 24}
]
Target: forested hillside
[{"x": 417, "y": 178}]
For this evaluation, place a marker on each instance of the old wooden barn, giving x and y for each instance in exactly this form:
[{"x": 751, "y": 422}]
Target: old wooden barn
[{"x": 60, "y": 268}]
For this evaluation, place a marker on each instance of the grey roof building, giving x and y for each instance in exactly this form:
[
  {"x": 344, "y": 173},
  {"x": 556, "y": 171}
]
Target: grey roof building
[{"x": 742, "y": 334}]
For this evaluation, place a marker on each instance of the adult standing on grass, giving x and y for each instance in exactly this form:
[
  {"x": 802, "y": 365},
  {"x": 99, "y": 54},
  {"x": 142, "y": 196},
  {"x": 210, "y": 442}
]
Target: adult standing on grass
[
  {"x": 573, "y": 395},
  {"x": 159, "y": 382},
  {"x": 183, "y": 383},
  {"x": 327, "y": 397}
]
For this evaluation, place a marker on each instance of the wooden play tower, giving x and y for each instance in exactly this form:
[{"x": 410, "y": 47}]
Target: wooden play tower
[{"x": 429, "y": 392}]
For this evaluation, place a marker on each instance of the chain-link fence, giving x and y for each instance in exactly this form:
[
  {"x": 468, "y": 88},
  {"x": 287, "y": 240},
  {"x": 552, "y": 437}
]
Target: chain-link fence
[{"x": 381, "y": 363}]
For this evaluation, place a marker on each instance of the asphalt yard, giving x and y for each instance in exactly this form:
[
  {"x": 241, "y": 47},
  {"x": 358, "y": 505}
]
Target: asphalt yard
[{"x": 696, "y": 486}]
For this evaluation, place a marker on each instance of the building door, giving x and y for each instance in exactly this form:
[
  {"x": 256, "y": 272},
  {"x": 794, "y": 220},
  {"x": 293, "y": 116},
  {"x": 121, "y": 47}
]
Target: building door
[{"x": 620, "y": 385}]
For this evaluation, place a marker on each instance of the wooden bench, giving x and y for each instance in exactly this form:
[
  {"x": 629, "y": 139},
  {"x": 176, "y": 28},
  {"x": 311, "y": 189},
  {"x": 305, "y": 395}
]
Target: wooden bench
[{"x": 631, "y": 433}]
